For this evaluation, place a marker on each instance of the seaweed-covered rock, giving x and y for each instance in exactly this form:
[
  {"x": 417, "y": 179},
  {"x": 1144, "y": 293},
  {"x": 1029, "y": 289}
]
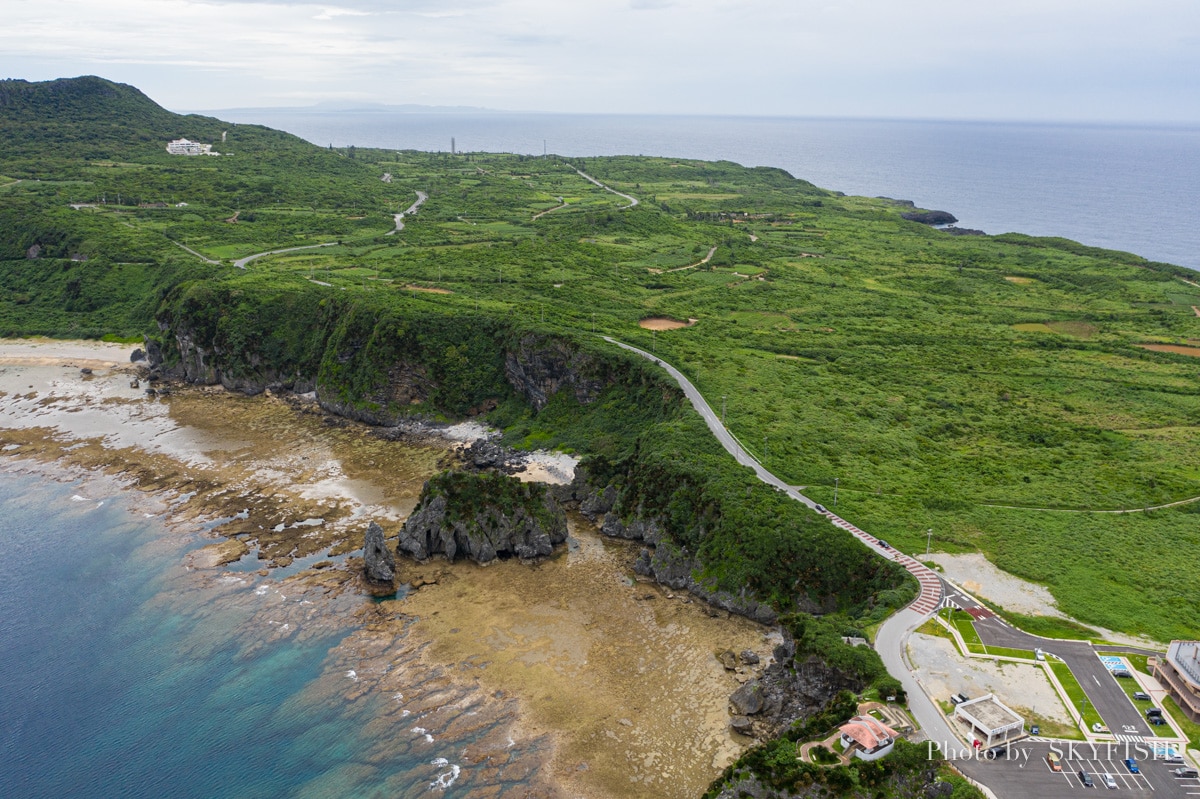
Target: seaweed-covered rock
[{"x": 483, "y": 517}]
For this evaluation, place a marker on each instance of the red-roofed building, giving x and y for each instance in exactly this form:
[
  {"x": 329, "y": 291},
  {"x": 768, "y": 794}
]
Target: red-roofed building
[{"x": 868, "y": 737}]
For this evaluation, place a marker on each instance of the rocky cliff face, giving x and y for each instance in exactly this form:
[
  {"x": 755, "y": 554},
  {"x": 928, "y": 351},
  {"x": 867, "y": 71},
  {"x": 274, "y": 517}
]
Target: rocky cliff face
[
  {"x": 789, "y": 689},
  {"x": 483, "y": 517},
  {"x": 538, "y": 368}
]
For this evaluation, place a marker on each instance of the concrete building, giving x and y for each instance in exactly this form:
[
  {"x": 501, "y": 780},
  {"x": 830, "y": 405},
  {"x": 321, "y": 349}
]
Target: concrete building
[
  {"x": 990, "y": 720},
  {"x": 1179, "y": 673},
  {"x": 868, "y": 737},
  {"x": 185, "y": 147}
]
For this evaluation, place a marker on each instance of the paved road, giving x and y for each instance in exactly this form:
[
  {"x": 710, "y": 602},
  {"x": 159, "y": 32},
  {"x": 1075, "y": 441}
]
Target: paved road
[
  {"x": 206, "y": 259},
  {"x": 241, "y": 262},
  {"x": 412, "y": 209},
  {"x": 1103, "y": 691},
  {"x": 893, "y": 634},
  {"x": 632, "y": 200}
]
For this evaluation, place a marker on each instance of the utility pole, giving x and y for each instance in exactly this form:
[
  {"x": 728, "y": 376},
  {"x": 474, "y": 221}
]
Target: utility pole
[
  {"x": 928, "y": 541},
  {"x": 835, "y": 489},
  {"x": 722, "y": 410}
]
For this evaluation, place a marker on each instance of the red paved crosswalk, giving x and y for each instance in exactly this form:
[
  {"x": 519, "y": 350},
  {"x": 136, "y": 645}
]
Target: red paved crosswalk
[{"x": 931, "y": 587}]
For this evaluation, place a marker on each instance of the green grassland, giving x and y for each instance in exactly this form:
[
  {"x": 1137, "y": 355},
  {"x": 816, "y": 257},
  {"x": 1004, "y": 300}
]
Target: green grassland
[{"x": 987, "y": 387}]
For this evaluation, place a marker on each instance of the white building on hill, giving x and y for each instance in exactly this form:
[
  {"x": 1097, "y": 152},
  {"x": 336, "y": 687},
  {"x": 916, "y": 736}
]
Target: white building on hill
[{"x": 185, "y": 147}]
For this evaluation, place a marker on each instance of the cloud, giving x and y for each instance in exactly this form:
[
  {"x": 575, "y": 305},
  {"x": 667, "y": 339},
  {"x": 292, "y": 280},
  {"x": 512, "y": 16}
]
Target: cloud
[
  {"x": 857, "y": 57},
  {"x": 330, "y": 13}
]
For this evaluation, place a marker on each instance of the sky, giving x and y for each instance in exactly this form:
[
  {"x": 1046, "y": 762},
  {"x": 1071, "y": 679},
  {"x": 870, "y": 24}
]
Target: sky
[{"x": 1028, "y": 60}]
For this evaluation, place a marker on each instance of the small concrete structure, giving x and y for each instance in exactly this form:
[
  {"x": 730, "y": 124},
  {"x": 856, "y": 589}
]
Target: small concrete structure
[
  {"x": 185, "y": 147},
  {"x": 868, "y": 737},
  {"x": 990, "y": 720},
  {"x": 1179, "y": 672}
]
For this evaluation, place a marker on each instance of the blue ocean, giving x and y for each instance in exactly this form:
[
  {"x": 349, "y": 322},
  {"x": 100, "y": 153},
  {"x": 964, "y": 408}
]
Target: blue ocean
[
  {"x": 126, "y": 675},
  {"x": 1127, "y": 188}
]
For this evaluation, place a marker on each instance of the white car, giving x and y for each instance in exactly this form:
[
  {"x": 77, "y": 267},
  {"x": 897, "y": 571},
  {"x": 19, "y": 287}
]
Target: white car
[{"x": 1108, "y": 781}]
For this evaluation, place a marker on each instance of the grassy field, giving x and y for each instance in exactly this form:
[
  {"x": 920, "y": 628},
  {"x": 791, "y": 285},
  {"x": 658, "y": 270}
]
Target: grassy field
[{"x": 989, "y": 388}]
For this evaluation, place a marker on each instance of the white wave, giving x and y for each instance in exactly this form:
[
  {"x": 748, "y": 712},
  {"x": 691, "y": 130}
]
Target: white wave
[
  {"x": 446, "y": 778},
  {"x": 352, "y": 674},
  {"x": 77, "y": 498},
  {"x": 261, "y": 590},
  {"x": 405, "y": 714},
  {"x": 399, "y": 697},
  {"x": 422, "y": 731}
]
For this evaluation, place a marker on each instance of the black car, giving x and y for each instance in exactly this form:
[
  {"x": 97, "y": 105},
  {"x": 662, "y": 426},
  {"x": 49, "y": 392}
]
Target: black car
[
  {"x": 884, "y": 544},
  {"x": 819, "y": 508},
  {"x": 1086, "y": 779},
  {"x": 1141, "y": 696},
  {"x": 1157, "y": 721},
  {"x": 1153, "y": 711},
  {"x": 1123, "y": 673},
  {"x": 996, "y": 753}
]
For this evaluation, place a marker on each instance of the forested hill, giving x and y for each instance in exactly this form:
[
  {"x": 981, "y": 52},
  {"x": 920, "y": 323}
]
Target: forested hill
[{"x": 93, "y": 118}]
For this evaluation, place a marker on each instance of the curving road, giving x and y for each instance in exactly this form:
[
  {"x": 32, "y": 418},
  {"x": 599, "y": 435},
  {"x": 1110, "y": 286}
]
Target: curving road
[
  {"x": 892, "y": 636},
  {"x": 241, "y": 262},
  {"x": 412, "y": 209},
  {"x": 632, "y": 200}
]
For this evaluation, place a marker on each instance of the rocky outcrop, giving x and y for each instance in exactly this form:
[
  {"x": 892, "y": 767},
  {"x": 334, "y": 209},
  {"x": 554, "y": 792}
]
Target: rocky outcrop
[
  {"x": 789, "y": 689},
  {"x": 483, "y": 517},
  {"x": 930, "y": 217},
  {"x": 538, "y": 368},
  {"x": 378, "y": 563},
  {"x": 673, "y": 566}
]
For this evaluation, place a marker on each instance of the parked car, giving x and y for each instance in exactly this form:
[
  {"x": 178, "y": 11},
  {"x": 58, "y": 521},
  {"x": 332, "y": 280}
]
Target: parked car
[
  {"x": 1187, "y": 771},
  {"x": 1132, "y": 765},
  {"x": 996, "y": 753},
  {"x": 1098, "y": 727},
  {"x": 1036, "y": 729},
  {"x": 1153, "y": 711},
  {"x": 1086, "y": 779},
  {"x": 884, "y": 544},
  {"x": 1108, "y": 781},
  {"x": 1173, "y": 759},
  {"x": 1141, "y": 696},
  {"x": 819, "y": 508},
  {"x": 1123, "y": 673},
  {"x": 1157, "y": 721},
  {"x": 1053, "y": 761}
]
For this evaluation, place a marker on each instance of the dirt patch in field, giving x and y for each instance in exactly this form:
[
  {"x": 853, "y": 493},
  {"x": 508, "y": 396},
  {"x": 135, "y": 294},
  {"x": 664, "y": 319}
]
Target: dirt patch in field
[
  {"x": 428, "y": 290},
  {"x": 664, "y": 323},
  {"x": 1020, "y": 281},
  {"x": 1175, "y": 348}
]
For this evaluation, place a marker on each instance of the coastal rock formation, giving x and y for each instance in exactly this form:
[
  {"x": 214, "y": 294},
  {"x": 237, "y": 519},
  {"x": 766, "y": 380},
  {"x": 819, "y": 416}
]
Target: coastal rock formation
[
  {"x": 379, "y": 565},
  {"x": 538, "y": 368},
  {"x": 930, "y": 217},
  {"x": 483, "y": 517},
  {"x": 674, "y": 567},
  {"x": 789, "y": 689}
]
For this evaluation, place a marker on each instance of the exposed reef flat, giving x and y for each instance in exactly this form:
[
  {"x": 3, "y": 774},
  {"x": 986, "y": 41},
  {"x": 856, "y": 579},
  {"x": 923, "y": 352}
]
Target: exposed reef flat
[{"x": 605, "y": 685}]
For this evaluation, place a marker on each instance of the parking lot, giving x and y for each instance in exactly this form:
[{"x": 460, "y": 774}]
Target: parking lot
[{"x": 1027, "y": 773}]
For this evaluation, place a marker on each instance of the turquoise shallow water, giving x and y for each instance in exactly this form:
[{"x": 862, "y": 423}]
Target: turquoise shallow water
[{"x": 124, "y": 675}]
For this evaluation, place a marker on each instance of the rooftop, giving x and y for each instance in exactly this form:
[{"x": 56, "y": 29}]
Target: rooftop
[
  {"x": 989, "y": 713},
  {"x": 1185, "y": 657},
  {"x": 868, "y": 732}
]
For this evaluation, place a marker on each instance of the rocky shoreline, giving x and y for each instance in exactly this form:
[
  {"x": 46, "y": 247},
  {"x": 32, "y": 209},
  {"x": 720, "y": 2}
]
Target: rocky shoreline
[{"x": 276, "y": 480}]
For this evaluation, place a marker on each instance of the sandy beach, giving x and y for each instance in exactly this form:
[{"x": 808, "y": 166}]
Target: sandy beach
[{"x": 612, "y": 683}]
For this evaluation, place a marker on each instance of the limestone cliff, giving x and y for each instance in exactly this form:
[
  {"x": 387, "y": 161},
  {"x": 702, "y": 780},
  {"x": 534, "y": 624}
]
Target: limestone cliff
[{"x": 483, "y": 517}]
